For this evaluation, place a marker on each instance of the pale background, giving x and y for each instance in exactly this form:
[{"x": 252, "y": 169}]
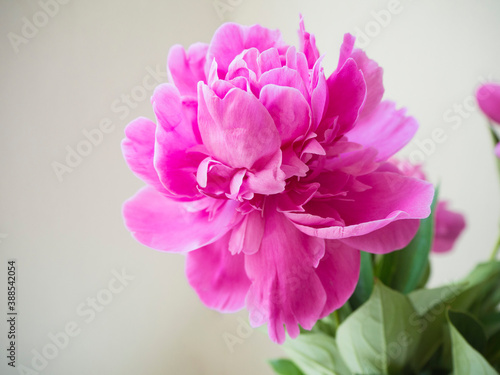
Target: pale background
[{"x": 68, "y": 236}]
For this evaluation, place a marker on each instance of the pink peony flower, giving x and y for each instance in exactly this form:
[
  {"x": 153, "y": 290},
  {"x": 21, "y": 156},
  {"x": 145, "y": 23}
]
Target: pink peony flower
[
  {"x": 448, "y": 225},
  {"x": 270, "y": 176},
  {"x": 447, "y": 228},
  {"x": 488, "y": 98}
]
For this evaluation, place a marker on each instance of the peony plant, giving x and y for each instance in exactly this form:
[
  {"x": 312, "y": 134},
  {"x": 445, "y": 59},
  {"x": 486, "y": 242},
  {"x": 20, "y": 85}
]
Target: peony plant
[{"x": 278, "y": 183}]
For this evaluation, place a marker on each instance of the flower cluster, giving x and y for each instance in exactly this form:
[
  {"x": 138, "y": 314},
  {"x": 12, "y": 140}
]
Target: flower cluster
[{"x": 272, "y": 176}]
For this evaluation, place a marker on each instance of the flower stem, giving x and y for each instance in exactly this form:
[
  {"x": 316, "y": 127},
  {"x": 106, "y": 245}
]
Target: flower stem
[
  {"x": 495, "y": 250},
  {"x": 337, "y": 318},
  {"x": 496, "y": 139}
]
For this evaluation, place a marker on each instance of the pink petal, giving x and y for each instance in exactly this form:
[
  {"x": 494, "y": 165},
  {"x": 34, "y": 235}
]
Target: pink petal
[
  {"x": 289, "y": 110},
  {"x": 285, "y": 287},
  {"x": 346, "y": 49},
  {"x": 167, "y": 225},
  {"x": 307, "y": 44},
  {"x": 339, "y": 273},
  {"x": 269, "y": 59},
  {"x": 138, "y": 150},
  {"x": 497, "y": 150},
  {"x": 285, "y": 77},
  {"x": 386, "y": 129},
  {"x": 269, "y": 179},
  {"x": 390, "y": 197},
  {"x": 347, "y": 92},
  {"x": 373, "y": 75},
  {"x": 237, "y": 130},
  {"x": 231, "y": 39},
  {"x": 217, "y": 276},
  {"x": 247, "y": 236},
  {"x": 394, "y": 236},
  {"x": 488, "y": 98},
  {"x": 187, "y": 69},
  {"x": 448, "y": 227},
  {"x": 176, "y": 134},
  {"x": 319, "y": 94}
]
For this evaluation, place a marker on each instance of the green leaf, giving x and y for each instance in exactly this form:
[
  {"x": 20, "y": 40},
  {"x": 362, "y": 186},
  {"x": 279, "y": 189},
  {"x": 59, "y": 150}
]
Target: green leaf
[
  {"x": 466, "y": 360},
  {"x": 316, "y": 354},
  {"x": 364, "y": 287},
  {"x": 469, "y": 328},
  {"x": 430, "y": 306},
  {"x": 492, "y": 351},
  {"x": 479, "y": 285},
  {"x": 378, "y": 336},
  {"x": 405, "y": 269},
  {"x": 491, "y": 323},
  {"x": 425, "y": 277},
  {"x": 425, "y": 300},
  {"x": 285, "y": 367}
]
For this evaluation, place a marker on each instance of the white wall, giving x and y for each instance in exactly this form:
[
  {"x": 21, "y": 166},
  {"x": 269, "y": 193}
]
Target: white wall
[{"x": 68, "y": 236}]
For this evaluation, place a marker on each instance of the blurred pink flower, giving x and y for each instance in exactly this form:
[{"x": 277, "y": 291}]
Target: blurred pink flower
[
  {"x": 448, "y": 225},
  {"x": 488, "y": 98},
  {"x": 271, "y": 176}
]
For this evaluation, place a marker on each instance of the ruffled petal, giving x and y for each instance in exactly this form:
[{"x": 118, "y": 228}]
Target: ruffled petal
[
  {"x": 289, "y": 110},
  {"x": 138, "y": 150},
  {"x": 361, "y": 212},
  {"x": 176, "y": 136},
  {"x": 394, "y": 236},
  {"x": 168, "y": 225},
  {"x": 346, "y": 49},
  {"x": 231, "y": 39},
  {"x": 449, "y": 225},
  {"x": 237, "y": 130},
  {"x": 346, "y": 95},
  {"x": 285, "y": 77},
  {"x": 247, "y": 236},
  {"x": 386, "y": 129},
  {"x": 339, "y": 274},
  {"x": 373, "y": 75},
  {"x": 187, "y": 69},
  {"x": 217, "y": 276},
  {"x": 488, "y": 98},
  {"x": 307, "y": 44},
  {"x": 285, "y": 291}
]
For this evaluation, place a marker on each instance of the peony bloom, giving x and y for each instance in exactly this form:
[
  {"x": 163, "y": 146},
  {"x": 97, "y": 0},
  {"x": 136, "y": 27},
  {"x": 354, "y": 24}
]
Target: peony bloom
[
  {"x": 271, "y": 176},
  {"x": 448, "y": 225},
  {"x": 488, "y": 98},
  {"x": 447, "y": 228}
]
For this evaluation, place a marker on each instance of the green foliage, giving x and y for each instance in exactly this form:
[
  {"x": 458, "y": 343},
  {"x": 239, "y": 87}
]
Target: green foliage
[
  {"x": 285, "y": 367},
  {"x": 450, "y": 329},
  {"x": 393, "y": 325},
  {"x": 407, "y": 269}
]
